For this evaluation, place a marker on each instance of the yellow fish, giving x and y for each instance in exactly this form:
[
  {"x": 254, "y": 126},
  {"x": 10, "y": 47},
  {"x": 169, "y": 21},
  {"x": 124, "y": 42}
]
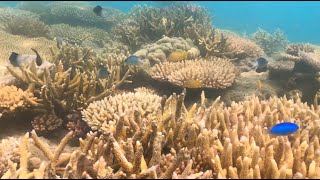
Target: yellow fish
[
  {"x": 177, "y": 56},
  {"x": 259, "y": 85},
  {"x": 192, "y": 83}
]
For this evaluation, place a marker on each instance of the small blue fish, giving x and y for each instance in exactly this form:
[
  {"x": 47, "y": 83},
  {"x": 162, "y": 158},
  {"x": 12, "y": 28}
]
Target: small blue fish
[
  {"x": 261, "y": 65},
  {"x": 284, "y": 129},
  {"x": 102, "y": 72},
  {"x": 133, "y": 60}
]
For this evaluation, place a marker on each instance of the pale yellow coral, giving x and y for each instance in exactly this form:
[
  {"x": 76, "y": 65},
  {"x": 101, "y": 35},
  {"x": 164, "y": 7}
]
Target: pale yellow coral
[
  {"x": 104, "y": 115},
  {"x": 8, "y": 151},
  {"x": 214, "y": 73},
  {"x": 12, "y": 98}
]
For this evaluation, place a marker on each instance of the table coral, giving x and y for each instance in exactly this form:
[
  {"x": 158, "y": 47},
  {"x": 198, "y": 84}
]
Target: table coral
[{"x": 214, "y": 73}]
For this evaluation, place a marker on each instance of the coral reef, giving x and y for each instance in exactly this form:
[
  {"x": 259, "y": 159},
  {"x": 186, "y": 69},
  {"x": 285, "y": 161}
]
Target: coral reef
[
  {"x": 7, "y": 14},
  {"x": 76, "y": 14},
  {"x": 214, "y": 73},
  {"x": 205, "y": 141},
  {"x": 161, "y": 50},
  {"x": 26, "y": 26},
  {"x": 9, "y": 150},
  {"x": 78, "y": 34},
  {"x": 13, "y": 98},
  {"x": 107, "y": 114},
  {"x": 72, "y": 82},
  {"x": 146, "y": 24},
  {"x": 12, "y": 43},
  {"x": 241, "y": 47},
  {"x": 46, "y": 123},
  {"x": 294, "y": 48},
  {"x": 270, "y": 43}
]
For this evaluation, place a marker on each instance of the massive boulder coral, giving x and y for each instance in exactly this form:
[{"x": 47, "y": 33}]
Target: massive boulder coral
[
  {"x": 106, "y": 115},
  {"x": 211, "y": 72},
  {"x": 168, "y": 49}
]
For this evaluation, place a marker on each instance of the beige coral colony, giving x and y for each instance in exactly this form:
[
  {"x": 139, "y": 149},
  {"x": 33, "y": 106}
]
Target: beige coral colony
[{"x": 152, "y": 93}]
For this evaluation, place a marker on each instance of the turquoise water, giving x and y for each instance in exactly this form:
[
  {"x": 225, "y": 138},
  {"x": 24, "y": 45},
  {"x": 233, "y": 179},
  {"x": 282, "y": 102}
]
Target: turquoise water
[{"x": 298, "y": 20}]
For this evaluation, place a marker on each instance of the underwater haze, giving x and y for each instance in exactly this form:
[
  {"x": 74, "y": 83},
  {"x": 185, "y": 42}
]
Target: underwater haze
[{"x": 159, "y": 90}]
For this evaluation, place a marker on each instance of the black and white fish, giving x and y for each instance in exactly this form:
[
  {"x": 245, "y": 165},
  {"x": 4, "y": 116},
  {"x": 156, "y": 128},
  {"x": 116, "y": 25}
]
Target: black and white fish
[{"x": 18, "y": 60}]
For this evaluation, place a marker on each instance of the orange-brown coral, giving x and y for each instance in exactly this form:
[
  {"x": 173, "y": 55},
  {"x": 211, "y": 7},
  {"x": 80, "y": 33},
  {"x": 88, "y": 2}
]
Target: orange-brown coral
[
  {"x": 12, "y": 98},
  {"x": 214, "y": 73},
  {"x": 45, "y": 123}
]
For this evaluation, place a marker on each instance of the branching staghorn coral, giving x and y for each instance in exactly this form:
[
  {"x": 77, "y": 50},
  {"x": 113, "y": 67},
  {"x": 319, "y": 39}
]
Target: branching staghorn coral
[
  {"x": 270, "y": 43},
  {"x": 72, "y": 83},
  {"x": 26, "y": 26},
  {"x": 207, "y": 140},
  {"x": 147, "y": 24},
  {"x": 161, "y": 50},
  {"x": 107, "y": 114},
  {"x": 211, "y": 72}
]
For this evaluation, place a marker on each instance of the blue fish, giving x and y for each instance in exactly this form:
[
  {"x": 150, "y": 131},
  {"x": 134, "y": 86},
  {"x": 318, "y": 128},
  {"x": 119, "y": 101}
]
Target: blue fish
[
  {"x": 133, "y": 60},
  {"x": 102, "y": 72},
  {"x": 284, "y": 129},
  {"x": 261, "y": 65}
]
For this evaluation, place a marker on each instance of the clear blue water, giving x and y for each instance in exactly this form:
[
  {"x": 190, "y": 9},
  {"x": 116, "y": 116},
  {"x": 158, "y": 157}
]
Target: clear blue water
[{"x": 298, "y": 20}]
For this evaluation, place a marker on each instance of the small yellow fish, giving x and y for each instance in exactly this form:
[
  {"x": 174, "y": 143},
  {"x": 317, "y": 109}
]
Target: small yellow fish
[
  {"x": 192, "y": 83},
  {"x": 259, "y": 85},
  {"x": 177, "y": 56}
]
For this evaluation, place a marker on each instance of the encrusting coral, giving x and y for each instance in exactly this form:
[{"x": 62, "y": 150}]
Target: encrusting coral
[
  {"x": 163, "y": 50},
  {"x": 211, "y": 72}
]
